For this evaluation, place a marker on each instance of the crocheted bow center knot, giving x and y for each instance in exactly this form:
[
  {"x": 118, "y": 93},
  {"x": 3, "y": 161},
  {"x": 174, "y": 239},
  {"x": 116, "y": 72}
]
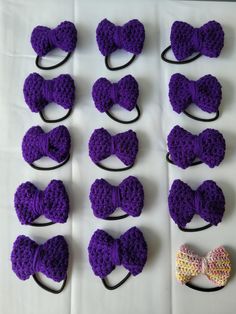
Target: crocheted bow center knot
[
  {"x": 193, "y": 90},
  {"x": 204, "y": 266},
  {"x": 197, "y": 39},
  {"x": 114, "y": 93},
  {"x": 47, "y": 90},
  {"x": 37, "y": 258},
  {"x": 117, "y": 37},
  {"x": 197, "y": 145},
  {"x": 43, "y": 143},
  {"x": 116, "y": 254},
  {"x": 197, "y": 201},
  {"x": 52, "y": 38},
  {"x": 113, "y": 145},
  {"x": 116, "y": 197},
  {"x": 38, "y": 207}
]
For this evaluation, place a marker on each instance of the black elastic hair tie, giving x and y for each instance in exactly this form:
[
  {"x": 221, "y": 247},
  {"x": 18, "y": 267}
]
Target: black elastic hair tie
[
  {"x": 107, "y": 286},
  {"x": 38, "y": 58},
  {"x": 164, "y": 52},
  {"x": 43, "y": 286},
  {"x": 195, "y": 163},
  {"x": 114, "y": 169},
  {"x": 125, "y": 122},
  {"x": 118, "y": 67},
  {"x": 117, "y": 217},
  {"x": 53, "y": 167},
  {"x": 195, "y": 229},
  {"x": 202, "y": 119},
  {"x": 55, "y": 120},
  {"x": 192, "y": 286},
  {"x": 43, "y": 224}
]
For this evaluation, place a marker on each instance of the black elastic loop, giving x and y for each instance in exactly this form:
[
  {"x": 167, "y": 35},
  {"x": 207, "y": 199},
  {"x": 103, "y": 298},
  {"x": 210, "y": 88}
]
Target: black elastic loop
[
  {"x": 43, "y": 224},
  {"x": 119, "y": 67},
  {"x": 113, "y": 169},
  {"x": 195, "y": 163},
  {"x": 195, "y": 229},
  {"x": 43, "y": 286},
  {"x": 125, "y": 122},
  {"x": 177, "y": 62},
  {"x": 117, "y": 217},
  {"x": 106, "y": 285},
  {"x": 55, "y": 120},
  {"x": 53, "y": 167},
  {"x": 52, "y": 66},
  {"x": 190, "y": 285},
  {"x": 201, "y": 119}
]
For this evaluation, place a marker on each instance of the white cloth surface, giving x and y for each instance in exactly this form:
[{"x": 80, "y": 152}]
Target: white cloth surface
[{"x": 155, "y": 290}]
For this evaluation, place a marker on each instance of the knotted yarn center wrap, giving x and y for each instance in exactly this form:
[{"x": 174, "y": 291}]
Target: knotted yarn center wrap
[
  {"x": 114, "y": 93},
  {"x": 115, "y": 254},
  {"x": 38, "y": 207},
  {"x": 52, "y": 38},
  {"x": 197, "y": 145},
  {"x": 37, "y": 258},
  {"x": 113, "y": 145},
  {"x": 193, "y": 90},
  {"x": 43, "y": 143},
  {"x": 204, "y": 266},
  {"x": 197, "y": 39},
  {"x": 117, "y": 37},
  {"x": 197, "y": 201},
  {"x": 116, "y": 197},
  {"x": 47, "y": 90}
]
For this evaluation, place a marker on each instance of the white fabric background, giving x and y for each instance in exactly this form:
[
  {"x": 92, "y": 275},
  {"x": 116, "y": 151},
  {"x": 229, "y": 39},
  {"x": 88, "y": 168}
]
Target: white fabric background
[{"x": 155, "y": 290}]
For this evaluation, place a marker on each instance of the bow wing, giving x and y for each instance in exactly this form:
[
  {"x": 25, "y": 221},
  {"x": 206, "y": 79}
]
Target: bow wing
[
  {"x": 99, "y": 145},
  {"x": 101, "y": 94},
  {"x": 64, "y": 91},
  {"x": 30, "y": 149},
  {"x": 59, "y": 143},
  {"x": 133, "y": 36},
  {"x": 128, "y": 92},
  {"x": 65, "y": 36},
  {"x": 40, "y": 40},
  {"x": 179, "y": 94},
  {"x": 104, "y": 35},
  {"x": 126, "y": 147}
]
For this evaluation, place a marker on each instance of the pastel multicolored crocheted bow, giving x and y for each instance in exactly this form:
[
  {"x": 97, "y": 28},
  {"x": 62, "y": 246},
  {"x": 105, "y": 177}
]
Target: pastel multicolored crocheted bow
[
  {"x": 105, "y": 198},
  {"x": 129, "y": 37},
  {"x": 39, "y": 92},
  {"x": 205, "y": 93},
  {"x": 31, "y": 203},
  {"x": 207, "y": 201},
  {"x": 51, "y": 258},
  {"x": 54, "y": 144},
  {"x": 123, "y": 145},
  {"x": 44, "y": 39},
  {"x": 130, "y": 251},
  {"x": 124, "y": 93},
  {"x": 184, "y": 147},
  {"x": 216, "y": 266},
  {"x": 207, "y": 40}
]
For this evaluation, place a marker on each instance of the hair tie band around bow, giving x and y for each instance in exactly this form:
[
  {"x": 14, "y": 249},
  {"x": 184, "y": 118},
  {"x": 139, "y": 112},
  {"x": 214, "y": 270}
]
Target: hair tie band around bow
[
  {"x": 215, "y": 265},
  {"x": 38, "y": 93},
  {"x": 31, "y": 203},
  {"x": 51, "y": 258},
  {"x": 124, "y": 93},
  {"x": 205, "y": 93},
  {"x": 207, "y": 201},
  {"x": 44, "y": 39},
  {"x": 123, "y": 145},
  {"x": 129, "y": 37},
  {"x": 207, "y": 40},
  {"x": 184, "y": 147},
  {"x": 54, "y": 144},
  {"x": 105, "y": 198},
  {"x": 105, "y": 253}
]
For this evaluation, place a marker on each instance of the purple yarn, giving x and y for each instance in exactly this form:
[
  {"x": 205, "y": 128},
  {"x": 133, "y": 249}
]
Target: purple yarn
[
  {"x": 53, "y": 202},
  {"x": 54, "y": 144},
  {"x": 39, "y": 92},
  {"x": 123, "y": 145},
  {"x": 130, "y": 250},
  {"x": 205, "y": 93},
  {"x": 50, "y": 258},
  {"x": 207, "y": 201},
  {"x": 64, "y": 36},
  {"x": 185, "y": 40},
  {"x": 129, "y": 37},
  {"x": 125, "y": 93},
  {"x": 105, "y": 198},
  {"x": 209, "y": 146}
]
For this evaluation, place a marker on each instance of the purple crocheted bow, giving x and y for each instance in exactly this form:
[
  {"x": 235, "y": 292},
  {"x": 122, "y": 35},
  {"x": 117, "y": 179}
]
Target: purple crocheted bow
[
  {"x": 184, "y": 147},
  {"x": 53, "y": 202},
  {"x": 205, "y": 93},
  {"x": 130, "y": 250},
  {"x": 105, "y": 198},
  {"x": 123, "y": 145},
  {"x": 50, "y": 258},
  {"x": 39, "y": 92},
  {"x": 207, "y": 201},
  {"x": 125, "y": 93},
  {"x": 54, "y": 144},
  {"x": 185, "y": 40},
  {"x": 129, "y": 37},
  {"x": 64, "y": 36}
]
